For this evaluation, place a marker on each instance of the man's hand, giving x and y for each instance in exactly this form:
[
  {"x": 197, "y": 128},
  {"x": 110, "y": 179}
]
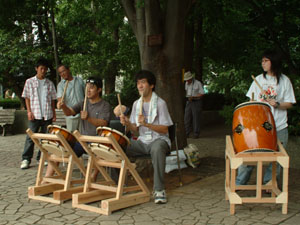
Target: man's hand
[
  {"x": 84, "y": 115},
  {"x": 59, "y": 104},
  {"x": 141, "y": 120},
  {"x": 124, "y": 120},
  {"x": 30, "y": 116}
]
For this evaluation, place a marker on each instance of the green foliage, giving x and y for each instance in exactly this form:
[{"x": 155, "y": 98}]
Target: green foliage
[
  {"x": 227, "y": 114},
  {"x": 128, "y": 94},
  {"x": 10, "y": 103}
]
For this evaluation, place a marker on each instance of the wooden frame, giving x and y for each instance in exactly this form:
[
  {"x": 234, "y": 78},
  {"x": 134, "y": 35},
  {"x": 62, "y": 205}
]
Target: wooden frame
[
  {"x": 61, "y": 185},
  {"x": 112, "y": 196},
  {"x": 233, "y": 161}
]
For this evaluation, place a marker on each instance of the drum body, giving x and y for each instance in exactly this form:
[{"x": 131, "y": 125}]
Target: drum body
[
  {"x": 52, "y": 129},
  {"x": 253, "y": 128},
  {"x": 120, "y": 138}
]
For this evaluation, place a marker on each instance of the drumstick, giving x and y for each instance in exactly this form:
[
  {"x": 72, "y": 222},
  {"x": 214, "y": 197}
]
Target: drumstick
[
  {"x": 120, "y": 105},
  {"x": 85, "y": 98},
  {"x": 141, "y": 108},
  {"x": 65, "y": 90},
  {"x": 262, "y": 90}
]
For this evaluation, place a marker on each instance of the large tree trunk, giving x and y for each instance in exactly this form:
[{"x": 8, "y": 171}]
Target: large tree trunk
[{"x": 164, "y": 59}]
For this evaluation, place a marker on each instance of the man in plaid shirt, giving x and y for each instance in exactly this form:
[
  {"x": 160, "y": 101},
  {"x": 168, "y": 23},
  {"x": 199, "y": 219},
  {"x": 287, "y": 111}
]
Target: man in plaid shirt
[{"x": 40, "y": 95}]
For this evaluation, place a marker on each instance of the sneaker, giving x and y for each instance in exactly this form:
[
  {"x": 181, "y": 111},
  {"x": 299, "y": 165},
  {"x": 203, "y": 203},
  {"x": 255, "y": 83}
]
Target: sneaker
[
  {"x": 25, "y": 164},
  {"x": 160, "y": 197}
]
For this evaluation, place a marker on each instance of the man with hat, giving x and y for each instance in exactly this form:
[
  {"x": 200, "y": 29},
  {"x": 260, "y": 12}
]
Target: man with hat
[{"x": 194, "y": 92}]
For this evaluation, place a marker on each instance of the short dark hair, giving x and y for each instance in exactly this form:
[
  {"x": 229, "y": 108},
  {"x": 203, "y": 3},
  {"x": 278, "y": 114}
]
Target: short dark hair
[
  {"x": 61, "y": 64},
  {"x": 96, "y": 81},
  {"x": 42, "y": 62},
  {"x": 148, "y": 75}
]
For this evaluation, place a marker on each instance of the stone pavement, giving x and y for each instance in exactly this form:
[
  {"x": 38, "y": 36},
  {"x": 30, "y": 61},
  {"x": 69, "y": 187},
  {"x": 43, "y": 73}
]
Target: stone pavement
[{"x": 200, "y": 202}]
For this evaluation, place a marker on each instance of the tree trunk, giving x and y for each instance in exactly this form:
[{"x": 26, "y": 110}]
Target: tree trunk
[
  {"x": 164, "y": 59},
  {"x": 54, "y": 45}
]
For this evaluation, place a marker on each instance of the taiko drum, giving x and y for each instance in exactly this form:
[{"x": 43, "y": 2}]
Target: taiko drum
[
  {"x": 253, "y": 128},
  {"x": 52, "y": 129},
  {"x": 120, "y": 137}
]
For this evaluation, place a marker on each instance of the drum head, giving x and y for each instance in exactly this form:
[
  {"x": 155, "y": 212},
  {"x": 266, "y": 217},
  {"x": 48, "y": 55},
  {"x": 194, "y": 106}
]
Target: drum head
[
  {"x": 251, "y": 103},
  {"x": 108, "y": 129},
  {"x": 105, "y": 152},
  {"x": 55, "y": 148}
]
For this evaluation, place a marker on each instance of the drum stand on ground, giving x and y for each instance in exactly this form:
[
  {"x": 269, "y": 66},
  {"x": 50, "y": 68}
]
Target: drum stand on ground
[
  {"x": 113, "y": 196},
  {"x": 60, "y": 187},
  {"x": 233, "y": 161}
]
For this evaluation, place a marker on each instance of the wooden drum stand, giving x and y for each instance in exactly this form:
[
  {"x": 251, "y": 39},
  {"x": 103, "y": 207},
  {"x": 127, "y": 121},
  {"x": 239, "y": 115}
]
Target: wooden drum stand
[{"x": 234, "y": 160}]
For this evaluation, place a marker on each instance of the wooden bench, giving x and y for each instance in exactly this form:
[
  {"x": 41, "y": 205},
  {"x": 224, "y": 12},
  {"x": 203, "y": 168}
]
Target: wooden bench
[
  {"x": 60, "y": 118},
  {"x": 7, "y": 118}
]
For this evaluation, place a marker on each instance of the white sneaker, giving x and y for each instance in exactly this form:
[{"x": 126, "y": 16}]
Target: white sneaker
[
  {"x": 25, "y": 164},
  {"x": 160, "y": 197}
]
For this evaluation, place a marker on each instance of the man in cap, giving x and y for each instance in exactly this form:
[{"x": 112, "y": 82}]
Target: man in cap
[{"x": 194, "y": 93}]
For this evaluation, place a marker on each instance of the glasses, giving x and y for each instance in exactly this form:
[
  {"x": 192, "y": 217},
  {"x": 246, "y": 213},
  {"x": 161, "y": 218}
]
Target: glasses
[
  {"x": 91, "y": 81},
  {"x": 265, "y": 60}
]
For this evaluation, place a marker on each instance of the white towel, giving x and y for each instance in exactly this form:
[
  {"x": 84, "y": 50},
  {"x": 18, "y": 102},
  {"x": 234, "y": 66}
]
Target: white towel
[{"x": 152, "y": 109}]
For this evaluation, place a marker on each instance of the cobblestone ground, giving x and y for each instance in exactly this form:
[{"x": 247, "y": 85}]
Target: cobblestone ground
[{"x": 199, "y": 202}]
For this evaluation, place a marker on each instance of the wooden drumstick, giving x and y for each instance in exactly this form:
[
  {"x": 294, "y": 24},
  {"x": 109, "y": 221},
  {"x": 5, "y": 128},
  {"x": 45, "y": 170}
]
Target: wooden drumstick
[
  {"x": 262, "y": 90},
  {"x": 120, "y": 105},
  {"x": 85, "y": 98},
  {"x": 65, "y": 90},
  {"x": 142, "y": 102}
]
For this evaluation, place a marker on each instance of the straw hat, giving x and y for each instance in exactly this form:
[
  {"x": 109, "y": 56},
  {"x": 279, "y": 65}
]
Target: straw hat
[{"x": 188, "y": 75}]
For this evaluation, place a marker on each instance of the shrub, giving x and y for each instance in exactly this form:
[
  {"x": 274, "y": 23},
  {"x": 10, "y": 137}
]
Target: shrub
[{"x": 10, "y": 103}]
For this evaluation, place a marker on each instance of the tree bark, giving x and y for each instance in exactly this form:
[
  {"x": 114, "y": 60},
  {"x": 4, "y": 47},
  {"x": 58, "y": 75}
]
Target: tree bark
[{"x": 165, "y": 60}]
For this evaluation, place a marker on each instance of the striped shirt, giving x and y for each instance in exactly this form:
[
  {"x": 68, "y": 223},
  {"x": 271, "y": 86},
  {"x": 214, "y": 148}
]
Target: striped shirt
[{"x": 30, "y": 91}]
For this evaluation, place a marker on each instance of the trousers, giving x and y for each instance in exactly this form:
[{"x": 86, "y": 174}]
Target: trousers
[
  {"x": 158, "y": 150},
  {"x": 35, "y": 126}
]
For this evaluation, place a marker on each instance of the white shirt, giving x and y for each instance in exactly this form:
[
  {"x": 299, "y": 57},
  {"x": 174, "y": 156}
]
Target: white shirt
[
  {"x": 194, "y": 89},
  {"x": 162, "y": 118},
  {"x": 282, "y": 92}
]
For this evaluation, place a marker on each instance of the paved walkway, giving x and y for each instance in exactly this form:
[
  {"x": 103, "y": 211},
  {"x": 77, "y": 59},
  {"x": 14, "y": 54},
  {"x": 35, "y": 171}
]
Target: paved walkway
[{"x": 200, "y": 202}]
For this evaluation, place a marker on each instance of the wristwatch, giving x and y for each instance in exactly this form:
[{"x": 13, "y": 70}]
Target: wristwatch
[{"x": 277, "y": 104}]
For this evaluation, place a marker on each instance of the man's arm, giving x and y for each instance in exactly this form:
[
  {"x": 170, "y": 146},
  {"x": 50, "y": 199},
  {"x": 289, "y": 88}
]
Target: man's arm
[
  {"x": 129, "y": 126},
  {"x": 30, "y": 115},
  {"x": 162, "y": 129},
  {"x": 96, "y": 122},
  {"x": 67, "y": 111}
]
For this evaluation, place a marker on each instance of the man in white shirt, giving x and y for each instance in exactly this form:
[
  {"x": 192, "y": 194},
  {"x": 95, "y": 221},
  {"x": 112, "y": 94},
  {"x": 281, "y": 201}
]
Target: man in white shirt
[
  {"x": 151, "y": 118},
  {"x": 192, "y": 115}
]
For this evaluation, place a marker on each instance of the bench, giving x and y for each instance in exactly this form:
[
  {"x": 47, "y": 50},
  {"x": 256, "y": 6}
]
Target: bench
[
  {"x": 7, "y": 118},
  {"x": 60, "y": 118}
]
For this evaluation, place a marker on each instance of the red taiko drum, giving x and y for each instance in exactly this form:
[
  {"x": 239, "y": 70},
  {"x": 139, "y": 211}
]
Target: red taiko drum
[
  {"x": 120, "y": 137},
  {"x": 253, "y": 128},
  {"x": 52, "y": 129}
]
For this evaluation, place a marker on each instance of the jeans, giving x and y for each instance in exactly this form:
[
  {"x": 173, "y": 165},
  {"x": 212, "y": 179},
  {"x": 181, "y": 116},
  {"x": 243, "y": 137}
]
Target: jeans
[
  {"x": 35, "y": 126},
  {"x": 244, "y": 171}
]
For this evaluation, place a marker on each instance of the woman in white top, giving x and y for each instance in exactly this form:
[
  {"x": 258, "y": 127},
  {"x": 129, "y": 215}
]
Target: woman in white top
[{"x": 278, "y": 93}]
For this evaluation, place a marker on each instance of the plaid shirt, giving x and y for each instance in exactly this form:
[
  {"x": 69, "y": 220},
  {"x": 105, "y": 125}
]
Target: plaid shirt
[{"x": 30, "y": 91}]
